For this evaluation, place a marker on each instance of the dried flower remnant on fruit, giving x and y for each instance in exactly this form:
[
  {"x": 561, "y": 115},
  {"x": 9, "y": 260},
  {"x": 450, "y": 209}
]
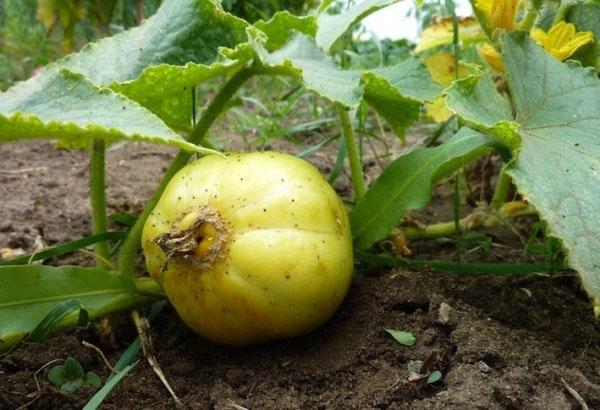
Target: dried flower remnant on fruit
[{"x": 199, "y": 237}]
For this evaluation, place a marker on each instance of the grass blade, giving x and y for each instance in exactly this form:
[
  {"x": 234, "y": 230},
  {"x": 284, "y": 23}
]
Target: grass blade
[
  {"x": 49, "y": 323},
  {"x": 64, "y": 248},
  {"x": 101, "y": 394}
]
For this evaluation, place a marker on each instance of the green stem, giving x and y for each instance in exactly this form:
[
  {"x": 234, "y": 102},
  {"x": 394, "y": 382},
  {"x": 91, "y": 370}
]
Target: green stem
[
  {"x": 98, "y": 199},
  {"x": 149, "y": 287},
  {"x": 475, "y": 220},
  {"x": 529, "y": 19},
  {"x": 358, "y": 181},
  {"x": 501, "y": 192},
  {"x": 197, "y": 136},
  {"x": 502, "y": 269},
  {"x": 455, "y": 36},
  {"x": 483, "y": 21},
  {"x": 561, "y": 12}
]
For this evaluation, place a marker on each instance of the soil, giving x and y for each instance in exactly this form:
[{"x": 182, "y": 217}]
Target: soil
[{"x": 499, "y": 343}]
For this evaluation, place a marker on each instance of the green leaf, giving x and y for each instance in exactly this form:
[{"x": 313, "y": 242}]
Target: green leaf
[
  {"x": 402, "y": 337},
  {"x": 72, "y": 386},
  {"x": 158, "y": 63},
  {"x": 493, "y": 114},
  {"x": 332, "y": 26},
  {"x": 166, "y": 90},
  {"x": 414, "y": 366},
  {"x": 558, "y": 162},
  {"x": 279, "y": 28},
  {"x": 28, "y": 293},
  {"x": 181, "y": 31},
  {"x": 56, "y": 375},
  {"x": 406, "y": 184},
  {"x": 435, "y": 376},
  {"x": 61, "y": 104},
  {"x": 300, "y": 57},
  {"x": 72, "y": 370},
  {"x": 155, "y": 65},
  {"x": 397, "y": 92},
  {"x": 462, "y": 94},
  {"x": 93, "y": 380},
  {"x": 585, "y": 17}
]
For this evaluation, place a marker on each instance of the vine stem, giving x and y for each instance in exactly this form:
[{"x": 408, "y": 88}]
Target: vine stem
[
  {"x": 477, "y": 219},
  {"x": 98, "y": 200},
  {"x": 501, "y": 191},
  {"x": 197, "y": 136},
  {"x": 529, "y": 19},
  {"x": 358, "y": 181}
]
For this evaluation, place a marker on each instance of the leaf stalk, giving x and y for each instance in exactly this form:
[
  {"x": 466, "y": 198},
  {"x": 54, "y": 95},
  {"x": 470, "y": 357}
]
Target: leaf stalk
[
  {"x": 98, "y": 200},
  {"x": 358, "y": 181},
  {"x": 475, "y": 220}
]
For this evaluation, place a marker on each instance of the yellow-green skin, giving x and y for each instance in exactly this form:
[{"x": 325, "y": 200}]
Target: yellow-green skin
[{"x": 286, "y": 264}]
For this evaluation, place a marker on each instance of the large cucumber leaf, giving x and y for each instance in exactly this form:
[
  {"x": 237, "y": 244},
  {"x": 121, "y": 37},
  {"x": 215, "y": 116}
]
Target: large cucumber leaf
[
  {"x": 406, "y": 184},
  {"x": 279, "y": 27},
  {"x": 167, "y": 89},
  {"x": 62, "y": 104},
  {"x": 181, "y": 31},
  {"x": 158, "y": 63},
  {"x": 397, "y": 92},
  {"x": 29, "y": 292},
  {"x": 155, "y": 65},
  {"x": 332, "y": 26},
  {"x": 556, "y": 109},
  {"x": 586, "y": 17}
]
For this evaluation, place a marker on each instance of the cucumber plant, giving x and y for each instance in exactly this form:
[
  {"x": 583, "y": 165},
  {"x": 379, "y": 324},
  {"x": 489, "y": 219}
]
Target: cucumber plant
[{"x": 541, "y": 117}]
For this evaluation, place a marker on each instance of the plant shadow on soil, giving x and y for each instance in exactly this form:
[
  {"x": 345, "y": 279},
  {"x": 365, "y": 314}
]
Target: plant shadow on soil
[{"x": 500, "y": 343}]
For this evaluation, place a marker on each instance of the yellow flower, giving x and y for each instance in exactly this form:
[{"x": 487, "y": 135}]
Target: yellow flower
[
  {"x": 489, "y": 54},
  {"x": 438, "y": 111},
  {"x": 440, "y": 33},
  {"x": 499, "y": 13},
  {"x": 442, "y": 68},
  {"x": 561, "y": 40}
]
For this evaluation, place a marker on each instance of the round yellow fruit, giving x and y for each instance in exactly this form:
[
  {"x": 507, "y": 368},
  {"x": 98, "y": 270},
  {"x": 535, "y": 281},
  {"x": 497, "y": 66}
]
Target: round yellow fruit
[{"x": 250, "y": 247}]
